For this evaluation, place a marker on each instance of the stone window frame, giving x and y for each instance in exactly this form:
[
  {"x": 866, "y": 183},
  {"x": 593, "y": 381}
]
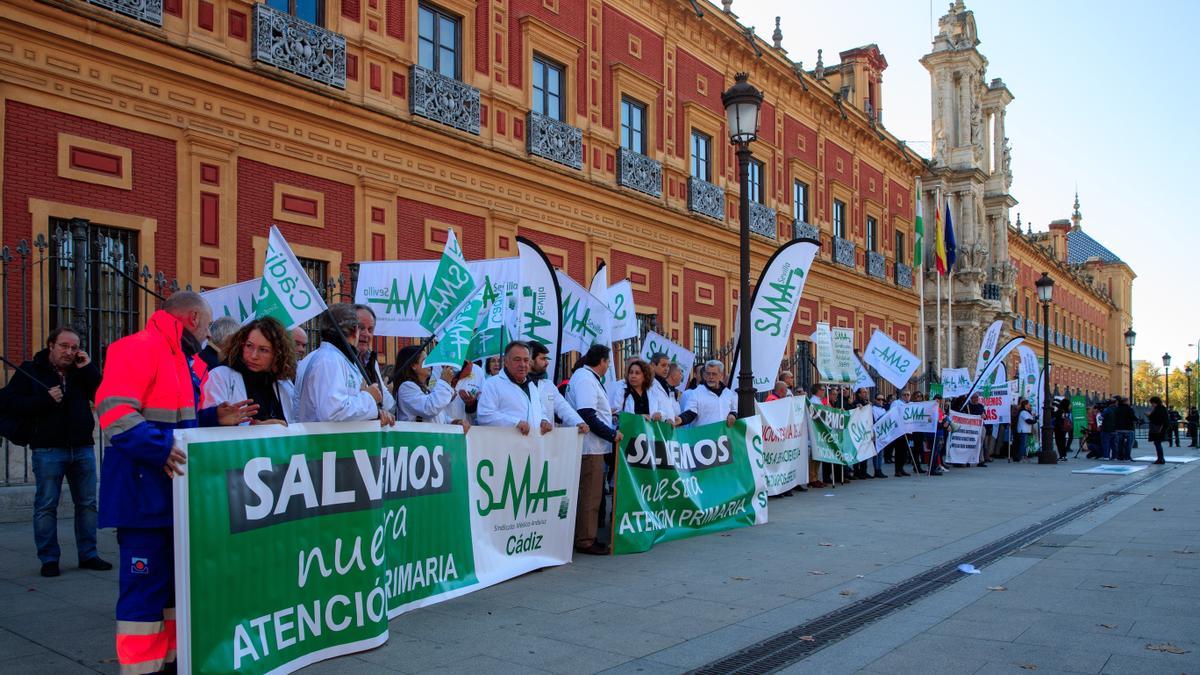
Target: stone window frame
[{"x": 541, "y": 39}]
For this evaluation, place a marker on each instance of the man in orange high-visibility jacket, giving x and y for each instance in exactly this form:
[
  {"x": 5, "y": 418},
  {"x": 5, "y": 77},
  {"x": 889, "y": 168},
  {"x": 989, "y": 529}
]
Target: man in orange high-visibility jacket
[{"x": 149, "y": 390}]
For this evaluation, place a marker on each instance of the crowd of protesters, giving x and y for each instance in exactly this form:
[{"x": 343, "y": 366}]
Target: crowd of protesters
[{"x": 185, "y": 370}]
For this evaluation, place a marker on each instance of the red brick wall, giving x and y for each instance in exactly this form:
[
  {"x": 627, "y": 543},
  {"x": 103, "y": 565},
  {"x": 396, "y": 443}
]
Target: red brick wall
[
  {"x": 688, "y": 69},
  {"x": 31, "y": 171},
  {"x": 395, "y": 18},
  {"x": 617, "y": 29},
  {"x": 804, "y": 327},
  {"x": 900, "y": 198},
  {"x": 483, "y": 56},
  {"x": 870, "y": 324},
  {"x": 575, "y": 263},
  {"x": 867, "y": 173},
  {"x": 410, "y": 228},
  {"x": 793, "y": 130},
  {"x": 715, "y": 313},
  {"x": 618, "y": 270},
  {"x": 256, "y": 191},
  {"x": 572, "y": 22}
]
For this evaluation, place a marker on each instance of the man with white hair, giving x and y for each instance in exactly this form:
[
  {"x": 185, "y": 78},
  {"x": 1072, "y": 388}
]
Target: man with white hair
[
  {"x": 301, "y": 339},
  {"x": 218, "y": 338},
  {"x": 713, "y": 401}
]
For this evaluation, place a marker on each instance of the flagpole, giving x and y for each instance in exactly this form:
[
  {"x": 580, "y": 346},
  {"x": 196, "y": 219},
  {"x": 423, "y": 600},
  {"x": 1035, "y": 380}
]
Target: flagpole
[
  {"x": 921, "y": 279},
  {"x": 937, "y": 310},
  {"x": 950, "y": 320}
]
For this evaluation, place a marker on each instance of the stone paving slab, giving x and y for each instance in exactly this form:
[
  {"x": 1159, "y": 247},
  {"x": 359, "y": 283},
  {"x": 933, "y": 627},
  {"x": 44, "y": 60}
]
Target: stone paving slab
[{"x": 686, "y": 603}]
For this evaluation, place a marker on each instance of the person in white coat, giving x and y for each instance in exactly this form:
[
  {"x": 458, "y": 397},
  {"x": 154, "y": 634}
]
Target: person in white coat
[
  {"x": 417, "y": 398},
  {"x": 552, "y": 401},
  {"x": 664, "y": 393},
  {"x": 510, "y": 399},
  {"x": 585, "y": 392},
  {"x": 333, "y": 388},
  {"x": 259, "y": 364},
  {"x": 713, "y": 401},
  {"x": 368, "y": 356},
  {"x": 639, "y": 396},
  {"x": 467, "y": 383}
]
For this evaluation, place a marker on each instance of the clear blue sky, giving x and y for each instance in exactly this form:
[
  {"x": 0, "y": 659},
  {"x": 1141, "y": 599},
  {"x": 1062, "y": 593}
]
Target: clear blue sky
[{"x": 1106, "y": 99}]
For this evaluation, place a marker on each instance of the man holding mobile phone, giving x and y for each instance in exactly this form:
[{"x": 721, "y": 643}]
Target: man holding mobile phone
[{"x": 55, "y": 391}]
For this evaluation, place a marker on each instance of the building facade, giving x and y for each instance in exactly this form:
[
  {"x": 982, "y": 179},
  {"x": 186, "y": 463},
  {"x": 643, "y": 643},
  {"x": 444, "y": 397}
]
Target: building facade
[
  {"x": 180, "y": 130},
  {"x": 970, "y": 175}
]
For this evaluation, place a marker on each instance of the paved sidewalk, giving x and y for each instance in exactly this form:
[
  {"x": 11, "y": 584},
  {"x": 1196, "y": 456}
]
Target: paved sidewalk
[{"x": 686, "y": 603}]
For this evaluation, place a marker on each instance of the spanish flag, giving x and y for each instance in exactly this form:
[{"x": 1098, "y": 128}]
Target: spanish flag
[
  {"x": 939, "y": 241},
  {"x": 944, "y": 249}
]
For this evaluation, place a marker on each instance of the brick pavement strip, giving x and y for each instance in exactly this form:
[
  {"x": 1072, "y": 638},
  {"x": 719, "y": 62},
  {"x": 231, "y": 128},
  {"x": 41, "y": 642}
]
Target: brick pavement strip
[{"x": 686, "y": 603}]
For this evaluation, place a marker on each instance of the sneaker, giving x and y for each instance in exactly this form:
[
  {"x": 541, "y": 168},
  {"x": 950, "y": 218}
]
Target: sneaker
[
  {"x": 96, "y": 564},
  {"x": 50, "y": 569}
]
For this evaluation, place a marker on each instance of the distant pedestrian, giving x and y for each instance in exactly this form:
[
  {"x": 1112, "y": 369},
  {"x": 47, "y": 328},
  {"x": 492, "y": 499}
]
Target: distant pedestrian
[
  {"x": 1174, "y": 418},
  {"x": 58, "y": 404},
  {"x": 1107, "y": 419},
  {"x": 1159, "y": 419},
  {"x": 1025, "y": 425},
  {"x": 1064, "y": 427},
  {"x": 1124, "y": 420},
  {"x": 1193, "y": 418},
  {"x": 976, "y": 407}
]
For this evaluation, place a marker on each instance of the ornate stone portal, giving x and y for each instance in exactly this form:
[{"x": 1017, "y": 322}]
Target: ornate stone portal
[{"x": 970, "y": 175}]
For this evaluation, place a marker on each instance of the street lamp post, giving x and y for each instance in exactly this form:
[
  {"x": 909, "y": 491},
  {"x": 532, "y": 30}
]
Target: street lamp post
[
  {"x": 1166, "y": 381},
  {"x": 742, "y": 102},
  {"x": 1130, "y": 338},
  {"x": 1187, "y": 374},
  {"x": 1045, "y": 290}
]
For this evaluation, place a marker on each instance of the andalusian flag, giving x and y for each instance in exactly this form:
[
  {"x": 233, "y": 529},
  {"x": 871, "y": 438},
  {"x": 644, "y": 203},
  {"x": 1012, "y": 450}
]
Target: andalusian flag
[
  {"x": 919, "y": 231},
  {"x": 939, "y": 241}
]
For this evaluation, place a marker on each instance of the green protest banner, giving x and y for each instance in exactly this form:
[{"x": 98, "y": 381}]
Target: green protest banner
[
  {"x": 452, "y": 285},
  {"x": 1079, "y": 415},
  {"x": 286, "y": 293},
  {"x": 841, "y": 436},
  {"x": 674, "y": 483},
  {"x": 454, "y": 345},
  {"x": 297, "y": 544}
]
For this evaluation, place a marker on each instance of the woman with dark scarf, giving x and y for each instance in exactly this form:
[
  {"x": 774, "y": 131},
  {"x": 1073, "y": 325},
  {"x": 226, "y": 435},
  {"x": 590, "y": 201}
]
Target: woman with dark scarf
[
  {"x": 633, "y": 396},
  {"x": 260, "y": 364}
]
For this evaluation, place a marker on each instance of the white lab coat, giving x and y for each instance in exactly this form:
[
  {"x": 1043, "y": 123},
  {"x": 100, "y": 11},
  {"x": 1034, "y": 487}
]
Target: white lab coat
[
  {"x": 585, "y": 390},
  {"x": 877, "y": 412},
  {"x": 502, "y": 403},
  {"x": 555, "y": 405},
  {"x": 710, "y": 407},
  {"x": 389, "y": 402},
  {"x": 226, "y": 385},
  {"x": 457, "y": 410},
  {"x": 666, "y": 403},
  {"x": 414, "y": 405},
  {"x": 331, "y": 390},
  {"x": 658, "y": 399}
]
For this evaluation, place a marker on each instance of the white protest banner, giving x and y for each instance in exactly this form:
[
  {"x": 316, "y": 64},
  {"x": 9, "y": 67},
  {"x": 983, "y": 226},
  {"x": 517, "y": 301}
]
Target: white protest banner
[
  {"x": 822, "y": 339},
  {"x": 586, "y": 319},
  {"x": 599, "y": 288},
  {"x": 539, "y": 307},
  {"x": 398, "y": 292},
  {"x": 1028, "y": 371},
  {"x": 862, "y": 431},
  {"x": 890, "y": 359},
  {"x": 996, "y": 362},
  {"x": 236, "y": 300},
  {"x": 620, "y": 302},
  {"x": 919, "y": 418},
  {"x": 843, "y": 354},
  {"x": 997, "y": 404},
  {"x": 888, "y": 428},
  {"x": 862, "y": 378},
  {"x": 655, "y": 344},
  {"x": 987, "y": 348},
  {"x": 785, "y": 443},
  {"x": 452, "y": 285},
  {"x": 773, "y": 310},
  {"x": 955, "y": 382},
  {"x": 286, "y": 293},
  {"x": 966, "y": 434}
]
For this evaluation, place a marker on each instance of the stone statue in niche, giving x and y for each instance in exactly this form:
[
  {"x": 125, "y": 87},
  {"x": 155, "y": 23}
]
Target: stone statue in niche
[{"x": 976, "y": 124}]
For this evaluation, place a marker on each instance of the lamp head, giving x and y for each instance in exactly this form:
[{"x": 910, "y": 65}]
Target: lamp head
[
  {"x": 1045, "y": 288},
  {"x": 1130, "y": 337},
  {"x": 1166, "y": 360},
  {"x": 742, "y": 103}
]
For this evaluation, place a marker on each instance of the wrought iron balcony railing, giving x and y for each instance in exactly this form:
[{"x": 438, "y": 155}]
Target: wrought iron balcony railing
[
  {"x": 844, "y": 252},
  {"x": 639, "y": 172},
  {"x": 904, "y": 275},
  {"x": 762, "y": 220},
  {"x": 444, "y": 99},
  {"x": 299, "y": 47},
  {"x": 876, "y": 265},
  {"x": 149, "y": 11},
  {"x": 705, "y": 198},
  {"x": 554, "y": 140},
  {"x": 801, "y": 230}
]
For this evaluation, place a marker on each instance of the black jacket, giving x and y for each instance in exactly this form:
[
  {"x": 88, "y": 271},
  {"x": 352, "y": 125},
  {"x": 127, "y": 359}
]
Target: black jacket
[
  {"x": 56, "y": 425},
  {"x": 1124, "y": 417}
]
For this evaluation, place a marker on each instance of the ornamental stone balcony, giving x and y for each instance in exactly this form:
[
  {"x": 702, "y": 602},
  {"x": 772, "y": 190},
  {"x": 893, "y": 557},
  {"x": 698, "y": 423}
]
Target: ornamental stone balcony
[
  {"x": 444, "y": 99},
  {"x": 844, "y": 252},
  {"x": 705, "y": 198},
  {"x": 876, "y": 265},
  {"x": 639, "y": 172},
  {"x": 149, "y": 11},
  {"x": 762, "y": 220},
  {"x": 803, "y": 230},
  {"x": 903, "y": 275},
  {"x": 554, "y": 140},
  {"x": 298, "y": 46}
]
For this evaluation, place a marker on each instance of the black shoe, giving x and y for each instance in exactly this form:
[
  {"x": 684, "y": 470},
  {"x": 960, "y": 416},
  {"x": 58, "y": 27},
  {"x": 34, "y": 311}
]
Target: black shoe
[
  {"x": 901, "y": 473},
  {"x": 879, "y": 474},
  {"x": 1160, "y": 461},
  {"x": 936, "y": 472},
  {"x": 800, "y": 488},
  {"x": 50, "y": 569},
  {"x": 595, "y": 549},
  {"x": 982, "y": 465},
  {"x": 95, "y": 564}
]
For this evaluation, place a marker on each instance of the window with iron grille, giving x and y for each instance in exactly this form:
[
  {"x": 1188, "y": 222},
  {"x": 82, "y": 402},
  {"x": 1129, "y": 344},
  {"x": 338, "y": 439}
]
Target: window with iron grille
[
  {"x": 113, "y": 297},
  {"x": 704, "y": 340},
  {"x": 701, "y": 151},
  {"x": 755, "y": 175},
  {"x": 633, "y": 125},
  {"x": 318, "y": 272},
  {"x": 547, "y": 88},
  {"x": 800, "y": 201},
  {"x": 312, "y": 11},
  {"x": 839, "y": 219},
  {"x": 438, "y": 41}
]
